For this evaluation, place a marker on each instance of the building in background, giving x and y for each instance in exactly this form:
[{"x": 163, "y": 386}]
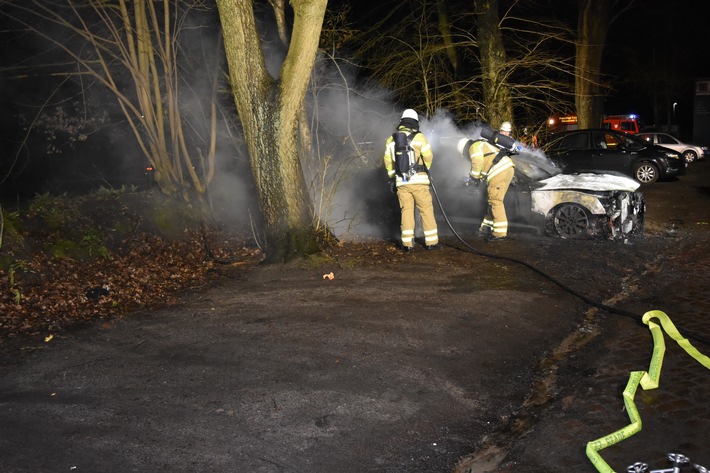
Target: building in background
[{"x": 701, "y": 112}]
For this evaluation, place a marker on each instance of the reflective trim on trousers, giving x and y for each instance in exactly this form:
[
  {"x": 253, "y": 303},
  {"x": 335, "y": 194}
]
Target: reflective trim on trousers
[
  {"x": 500, "y": 228},
  {"x": 431, "y": 237},
  {"x": 407, "y": 237},
  {"x": 486, "y": 223}
]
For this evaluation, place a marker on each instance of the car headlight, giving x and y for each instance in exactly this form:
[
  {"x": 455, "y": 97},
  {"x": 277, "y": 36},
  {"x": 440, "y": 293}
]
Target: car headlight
[{"x": 671, "y": 155}]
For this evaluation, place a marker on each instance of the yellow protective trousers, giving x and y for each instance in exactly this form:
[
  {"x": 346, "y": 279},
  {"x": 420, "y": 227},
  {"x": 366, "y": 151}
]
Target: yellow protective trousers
[
  {"x": 410, "y": 195},
  {"x": 496, "y": 219}
]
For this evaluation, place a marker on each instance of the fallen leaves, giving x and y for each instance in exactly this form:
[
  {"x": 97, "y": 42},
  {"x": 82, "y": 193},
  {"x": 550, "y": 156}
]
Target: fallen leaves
[
  {"x": 53, "y": 293},
  {"x": 49, "y": 294}
]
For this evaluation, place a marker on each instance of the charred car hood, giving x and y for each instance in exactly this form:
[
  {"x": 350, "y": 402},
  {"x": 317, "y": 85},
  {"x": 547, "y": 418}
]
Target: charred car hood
[
  {"x": 612, "y": 205},
  {"x": 588, "y": 182}
]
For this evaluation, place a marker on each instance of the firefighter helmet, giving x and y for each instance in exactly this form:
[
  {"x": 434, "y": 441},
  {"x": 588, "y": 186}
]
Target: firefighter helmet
[
  {"x": 506, "y": 127},
  {"x": 464, "y": 144},
  {"x": 409, "y": 113}
]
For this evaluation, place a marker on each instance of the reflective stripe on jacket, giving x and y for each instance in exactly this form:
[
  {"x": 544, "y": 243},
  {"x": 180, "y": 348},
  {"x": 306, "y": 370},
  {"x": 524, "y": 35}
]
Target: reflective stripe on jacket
[
  {"x": 504, "y": 163},
  {"x": 482, "y": 156}
]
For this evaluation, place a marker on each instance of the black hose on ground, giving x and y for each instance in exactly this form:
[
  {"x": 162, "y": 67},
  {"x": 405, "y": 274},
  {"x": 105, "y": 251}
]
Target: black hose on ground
[{"x": 560, "y": 284}]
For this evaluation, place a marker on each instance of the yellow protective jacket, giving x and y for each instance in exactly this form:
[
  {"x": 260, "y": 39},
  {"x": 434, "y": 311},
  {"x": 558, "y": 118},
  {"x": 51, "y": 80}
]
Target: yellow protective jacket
[
  {"x": 482, "y": 156},
  {"x": 422, "y": 151}
]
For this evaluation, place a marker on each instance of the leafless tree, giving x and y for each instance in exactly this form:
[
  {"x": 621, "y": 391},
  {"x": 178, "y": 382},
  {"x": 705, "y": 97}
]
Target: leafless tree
[
  {"x": 269, "y": 109},
  {"x": 138, "y": 40},
  {"x": 413, "y": 52},
  {"x": 595, "y": 18},
  {"x": 494, "y": 63},
  {"x": 480, "y": 64}
]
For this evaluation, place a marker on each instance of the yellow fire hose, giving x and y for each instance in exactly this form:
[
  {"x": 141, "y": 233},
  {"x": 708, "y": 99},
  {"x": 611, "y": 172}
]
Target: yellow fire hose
[{"x": 647, "y": 379}]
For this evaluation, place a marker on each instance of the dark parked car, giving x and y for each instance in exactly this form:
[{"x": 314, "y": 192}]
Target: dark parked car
[{"x": 599, "y": 150}]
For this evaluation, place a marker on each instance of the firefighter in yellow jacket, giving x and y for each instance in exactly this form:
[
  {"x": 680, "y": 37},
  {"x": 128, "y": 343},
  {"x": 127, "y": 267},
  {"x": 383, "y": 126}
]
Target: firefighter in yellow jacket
[
  {"x": 413, "y": 189},
  {"x": 493, "y": 165}
]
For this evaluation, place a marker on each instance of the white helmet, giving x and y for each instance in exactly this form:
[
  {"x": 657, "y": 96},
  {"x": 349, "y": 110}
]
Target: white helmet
[
  {"x": 506, "y": 126},
  {"x": 462, "y": 145},
  {"x": 409, "y": 113}
]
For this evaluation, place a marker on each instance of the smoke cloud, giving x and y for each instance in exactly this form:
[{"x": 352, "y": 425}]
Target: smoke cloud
[{"x": 362, "y": 205}]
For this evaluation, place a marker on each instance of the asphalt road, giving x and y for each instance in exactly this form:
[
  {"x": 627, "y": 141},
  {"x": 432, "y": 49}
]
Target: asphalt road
[{"x": 428, "y": 362}]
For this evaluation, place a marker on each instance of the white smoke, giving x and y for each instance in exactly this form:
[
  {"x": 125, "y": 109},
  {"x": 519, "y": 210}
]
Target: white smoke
[
  {"x": 356, "y": 126},
  {"x": 349, "y": 124}
]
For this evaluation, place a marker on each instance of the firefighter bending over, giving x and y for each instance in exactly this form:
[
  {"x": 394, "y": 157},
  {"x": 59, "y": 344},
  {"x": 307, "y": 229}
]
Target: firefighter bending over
[
  {"x": 493, "y": 165},
  {"x": 407, "y": 158}
]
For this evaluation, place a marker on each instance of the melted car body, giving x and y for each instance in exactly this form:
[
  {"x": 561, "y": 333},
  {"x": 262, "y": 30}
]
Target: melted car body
[
  {"x": 579, "y": 205},
  {"x": 542, "y": 199}
]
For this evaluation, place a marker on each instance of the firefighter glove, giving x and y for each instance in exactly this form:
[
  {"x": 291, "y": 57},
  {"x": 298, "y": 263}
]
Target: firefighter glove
[{"x": 393, "y": 186}]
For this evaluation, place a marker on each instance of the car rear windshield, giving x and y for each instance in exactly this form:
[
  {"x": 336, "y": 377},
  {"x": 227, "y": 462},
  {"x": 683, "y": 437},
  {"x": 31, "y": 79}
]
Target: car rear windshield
[
  {"x": 631, "y": 142},
  {"x": 571, "y": 141}
]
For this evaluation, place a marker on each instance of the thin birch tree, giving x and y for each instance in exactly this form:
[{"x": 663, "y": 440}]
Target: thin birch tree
[{"x": 113, "y": 40}]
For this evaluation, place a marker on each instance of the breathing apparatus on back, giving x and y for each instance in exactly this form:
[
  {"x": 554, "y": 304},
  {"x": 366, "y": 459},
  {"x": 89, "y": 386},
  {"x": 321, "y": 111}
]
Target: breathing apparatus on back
[
  {"x": 500, "y": 140},
  {"x": 493, "y": 137},
  {"x": 405, "y": 162}
]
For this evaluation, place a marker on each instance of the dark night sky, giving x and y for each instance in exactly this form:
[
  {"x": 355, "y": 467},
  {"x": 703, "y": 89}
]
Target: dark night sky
[
  {"x": 654, "y": 43},
  {"x": 656, "y": 51}
]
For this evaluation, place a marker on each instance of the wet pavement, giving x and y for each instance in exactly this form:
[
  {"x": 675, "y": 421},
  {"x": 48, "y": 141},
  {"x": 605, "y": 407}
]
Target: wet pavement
[
  {"x": 281, "y": 370},
  {"x": 587, "y": 403}
]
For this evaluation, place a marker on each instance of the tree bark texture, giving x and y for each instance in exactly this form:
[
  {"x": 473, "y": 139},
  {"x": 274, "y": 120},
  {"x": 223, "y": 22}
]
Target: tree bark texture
[
  {"x": 269, "y": 110},
  {"x": 446, "y": 35},
  {"x": 495, "y": 91},
  {"x": 592, "y": 29}
]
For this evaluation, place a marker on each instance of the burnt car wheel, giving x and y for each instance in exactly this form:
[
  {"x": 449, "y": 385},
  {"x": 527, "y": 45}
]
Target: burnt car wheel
[
  {"x": 569, "y": 221},
  {"x": 646, "y": 173}
]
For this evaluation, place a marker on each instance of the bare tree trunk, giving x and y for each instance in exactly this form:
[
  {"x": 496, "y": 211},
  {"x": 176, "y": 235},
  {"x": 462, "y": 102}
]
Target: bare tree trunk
[
  {"x": 495, "y": 90},
  {"x": 593, "y": 25},
  {"x": 306, "y": 143},
  {"x": 595, "y": 18},
  {"x": 269, "y": 111},
  {"x": 445, "y": 29},
  {"x": 526, "y": 76},
  {"x": 461, "y": 101},
  {"x": 280, "y": 15}
]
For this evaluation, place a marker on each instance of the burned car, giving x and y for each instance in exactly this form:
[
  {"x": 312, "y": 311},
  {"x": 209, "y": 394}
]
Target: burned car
[
  {"x": 544, "y": 200},
  {"x": 604, "y": 205}
]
